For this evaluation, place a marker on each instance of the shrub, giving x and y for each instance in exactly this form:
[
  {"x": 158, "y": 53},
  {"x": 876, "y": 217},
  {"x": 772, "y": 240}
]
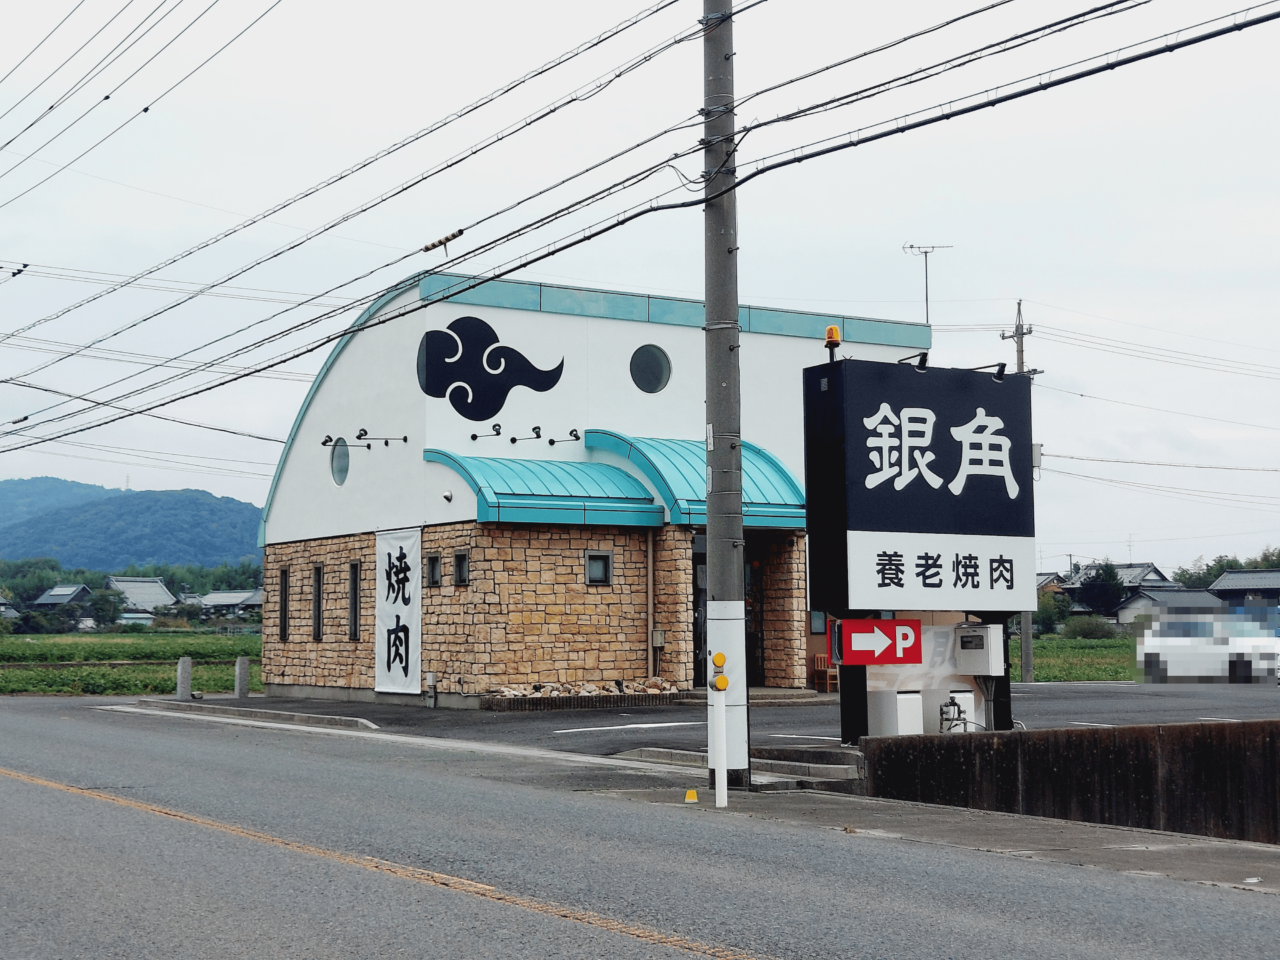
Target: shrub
[{"x": 1088, "y": 628}]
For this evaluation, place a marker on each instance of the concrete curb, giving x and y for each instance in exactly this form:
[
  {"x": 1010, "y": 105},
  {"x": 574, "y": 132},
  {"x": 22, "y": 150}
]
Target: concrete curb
[{"x": 250, "y": 713}]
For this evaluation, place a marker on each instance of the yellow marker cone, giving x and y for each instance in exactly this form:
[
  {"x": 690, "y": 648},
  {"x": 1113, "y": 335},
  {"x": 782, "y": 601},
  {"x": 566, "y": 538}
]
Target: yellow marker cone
[{"x": 691, "y": 796}]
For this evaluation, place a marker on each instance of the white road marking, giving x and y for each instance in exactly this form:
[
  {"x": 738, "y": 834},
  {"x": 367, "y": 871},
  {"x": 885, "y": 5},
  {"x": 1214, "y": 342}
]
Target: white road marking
[
  {"x": 800, "y": 736},
  {"x": 1085, "y": 723},
  {"x": 637, "y": 726},
  {"x": 430, "y": 743},
  {"x": 1220, "y": 719}
]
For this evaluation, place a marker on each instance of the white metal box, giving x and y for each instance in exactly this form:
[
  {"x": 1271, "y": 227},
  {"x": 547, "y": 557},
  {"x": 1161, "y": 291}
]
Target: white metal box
[
  {"x": 980, "y": 650},
  {"x": 893, "y": 713}
]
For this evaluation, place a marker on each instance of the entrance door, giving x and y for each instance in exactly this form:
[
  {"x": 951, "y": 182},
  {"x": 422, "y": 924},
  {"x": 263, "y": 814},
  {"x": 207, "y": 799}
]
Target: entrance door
[
  {"x": 753, "y": 580},
  {"x": 699, "y": 611}
]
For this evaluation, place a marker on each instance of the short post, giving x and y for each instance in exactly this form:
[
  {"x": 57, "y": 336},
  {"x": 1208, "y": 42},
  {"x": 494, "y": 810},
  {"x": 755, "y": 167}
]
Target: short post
[
  {"x": 242, "y": 678},
  {"x": 184, "y": 678},
  {"x": 720, "y": 740},
  {"x": 1028, "y": 661}
]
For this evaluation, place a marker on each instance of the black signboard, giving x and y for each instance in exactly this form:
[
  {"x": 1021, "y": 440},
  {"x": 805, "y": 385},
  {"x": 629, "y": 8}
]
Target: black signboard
[{"x": 890, "y": 449}]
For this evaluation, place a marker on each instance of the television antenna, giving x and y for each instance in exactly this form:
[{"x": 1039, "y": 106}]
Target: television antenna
[{"x": 924, "y": 251}]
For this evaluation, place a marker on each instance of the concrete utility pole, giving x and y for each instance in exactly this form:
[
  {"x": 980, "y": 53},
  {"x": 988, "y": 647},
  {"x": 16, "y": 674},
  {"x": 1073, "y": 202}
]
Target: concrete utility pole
[
  {"x": 1019, "y": 332},
  {"x": 726, "y": 608}
]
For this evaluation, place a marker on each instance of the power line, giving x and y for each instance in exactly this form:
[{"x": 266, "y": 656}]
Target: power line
[
  {"x": 368, "y": 161},
  {"x": 1159, "y": 463},
  {"x": 1140, "y": 406},
  {"x": 42, "y": 42},
  {"x": 670, "y": 129},
  {"x": 91, "y": 74},
  {"x": 903, "y": 124},
  {"x": 1235, "y": 501},
  {"x": 198, "y": 67},
  {"x": 992, "y": 97},
  {"x": 148, "y": 413},
  {"x": 58, "y": 68}
]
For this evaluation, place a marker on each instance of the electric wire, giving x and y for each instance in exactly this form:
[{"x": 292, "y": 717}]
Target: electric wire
[
  {"x": 991, "y": 99},
  {"x": 922, "y": 74},
  {"x": 148, "y": 413},
  {"x": 1056, "y": 25},
  {"x": 58, "y": 68},
  {"x": 1142, "y": 406},
  {"x": 42, "y": 42},
  {"x": 1161, "y": 463},
  {"x": 1221, "y": 498},
  {"x": 368, "y": 161},
  {"x": 579, "y": 95},
  {"x": 91, "y": 74},
  {"x": 147, "y": 109},
  {"x": 1239, "y": 368},
  {"x": 204, "y": 470}
]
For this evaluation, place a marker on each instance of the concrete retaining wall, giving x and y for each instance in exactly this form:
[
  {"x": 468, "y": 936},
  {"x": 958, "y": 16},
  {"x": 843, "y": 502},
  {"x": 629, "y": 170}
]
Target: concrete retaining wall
[{"x": 1210, "y": 779}]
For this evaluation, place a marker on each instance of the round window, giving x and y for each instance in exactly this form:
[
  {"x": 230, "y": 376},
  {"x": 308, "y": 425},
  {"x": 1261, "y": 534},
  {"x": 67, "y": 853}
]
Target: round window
[
  {"x": 339, "y": 461},
  {"x": 650, "y": 368}
]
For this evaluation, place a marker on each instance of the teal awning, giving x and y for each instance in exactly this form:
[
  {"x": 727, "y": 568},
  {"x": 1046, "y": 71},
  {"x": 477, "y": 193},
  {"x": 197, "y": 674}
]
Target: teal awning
[
  {"x": 677, "y": 469},
  {"x": 552, "y": 491}
]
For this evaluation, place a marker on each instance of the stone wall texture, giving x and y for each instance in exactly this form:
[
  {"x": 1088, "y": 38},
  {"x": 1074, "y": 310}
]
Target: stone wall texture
[
  {"x": 334, "y": 660},
  {"x": 526, "y": 614}
]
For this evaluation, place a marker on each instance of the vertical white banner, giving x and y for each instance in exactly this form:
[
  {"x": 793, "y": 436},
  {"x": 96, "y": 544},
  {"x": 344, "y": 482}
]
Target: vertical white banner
[{"x": 398, "y": 637}]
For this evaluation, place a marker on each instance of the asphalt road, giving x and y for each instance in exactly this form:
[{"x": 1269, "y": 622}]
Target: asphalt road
[
  {"x": 231, "y": 841},
  {"x": 609, "y": 731}
]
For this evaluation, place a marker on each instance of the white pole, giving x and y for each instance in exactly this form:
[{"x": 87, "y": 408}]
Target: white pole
[{"x": 719, "y": 741}]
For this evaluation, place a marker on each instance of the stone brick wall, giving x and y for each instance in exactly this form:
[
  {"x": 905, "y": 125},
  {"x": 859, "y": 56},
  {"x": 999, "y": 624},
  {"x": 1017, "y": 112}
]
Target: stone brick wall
[
  {"x": 673, "y": 602},
  {"x": 785, "y": 612},
  {"x": 528, "y": 614},
  {"x": 334, "y": 661}
]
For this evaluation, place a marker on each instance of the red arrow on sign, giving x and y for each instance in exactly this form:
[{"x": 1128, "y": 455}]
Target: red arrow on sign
[{"x": 881, "y": 642}]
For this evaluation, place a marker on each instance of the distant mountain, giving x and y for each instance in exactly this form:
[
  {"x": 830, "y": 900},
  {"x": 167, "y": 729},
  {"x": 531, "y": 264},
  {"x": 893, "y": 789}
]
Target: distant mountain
[
  {"x": 21, "y": 499},
  {"x": 147, "y": 526}
]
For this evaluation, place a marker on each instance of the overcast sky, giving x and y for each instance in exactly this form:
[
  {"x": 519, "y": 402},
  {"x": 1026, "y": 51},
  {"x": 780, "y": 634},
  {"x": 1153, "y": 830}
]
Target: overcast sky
[{"x": 1134, "y": 213}]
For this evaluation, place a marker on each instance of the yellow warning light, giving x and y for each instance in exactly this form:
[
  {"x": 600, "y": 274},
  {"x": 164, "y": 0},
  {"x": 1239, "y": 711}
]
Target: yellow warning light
[
  {"x": 718, "y": 659},
  {"x": 721, "y": 682},
  {"x": 691, "y": 796},
  {"x": 833, "y": 336}
]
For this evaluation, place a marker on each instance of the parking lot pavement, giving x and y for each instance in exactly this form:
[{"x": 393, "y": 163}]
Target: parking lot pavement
[
  {"x": 1041, "y": 705},
  {"x": 606, "y": 731}
]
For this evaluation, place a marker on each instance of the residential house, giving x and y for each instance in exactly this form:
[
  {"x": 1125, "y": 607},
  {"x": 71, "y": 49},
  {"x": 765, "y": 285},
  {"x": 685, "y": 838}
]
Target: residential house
[
  {"x": 141, "y": 594},
  {"x": 1135, "y": 577},
  {"x": 62, "y": 593},
  {"x": 1248, "y": 587}
]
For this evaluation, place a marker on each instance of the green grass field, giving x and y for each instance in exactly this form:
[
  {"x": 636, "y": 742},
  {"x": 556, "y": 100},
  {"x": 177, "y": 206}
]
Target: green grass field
[
  {"x": 134, "y": 680},
  {"x": 62, "y": 648},
  {"x": 1057, "y": 658}
]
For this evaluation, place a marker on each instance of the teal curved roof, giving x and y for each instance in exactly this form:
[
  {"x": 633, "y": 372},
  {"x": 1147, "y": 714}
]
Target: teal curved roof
[
  {"x": 552, "y": 491},
  {"x": 677, "y": 469}
]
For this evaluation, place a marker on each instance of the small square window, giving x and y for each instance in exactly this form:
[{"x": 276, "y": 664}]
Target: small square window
[
  {"x": 461, "y": 568},
  {"x": 433, "y": 570},
  {"x": 599, "y": 568},
  {"x": 817, "y": 621}
]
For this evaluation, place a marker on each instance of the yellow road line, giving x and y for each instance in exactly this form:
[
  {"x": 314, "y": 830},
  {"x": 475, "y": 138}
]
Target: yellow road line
[{"x": 404, "y": 872}]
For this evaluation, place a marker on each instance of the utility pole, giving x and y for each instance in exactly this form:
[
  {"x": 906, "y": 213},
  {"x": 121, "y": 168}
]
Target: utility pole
[
  {"x": 924, "y": 252},
  {"x": 1019, "y": 333},
  {"x": 726, "y": 593}
]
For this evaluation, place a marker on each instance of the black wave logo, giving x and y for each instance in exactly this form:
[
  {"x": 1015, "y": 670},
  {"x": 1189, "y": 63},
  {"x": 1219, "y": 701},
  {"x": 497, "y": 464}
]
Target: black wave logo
[{"x": 464, "y": 365}]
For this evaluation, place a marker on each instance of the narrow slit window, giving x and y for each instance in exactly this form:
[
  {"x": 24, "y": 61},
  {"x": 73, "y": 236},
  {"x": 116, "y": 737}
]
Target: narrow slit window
[
  {"x": 284, "y": 604},
  {"x": 599, "y": 568},
  {"x": 461, "y": 568},
  {"x": 317, "y": 601},
  {"x": 433, "y": 570},
  {"x": 353, "y": 601}
]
